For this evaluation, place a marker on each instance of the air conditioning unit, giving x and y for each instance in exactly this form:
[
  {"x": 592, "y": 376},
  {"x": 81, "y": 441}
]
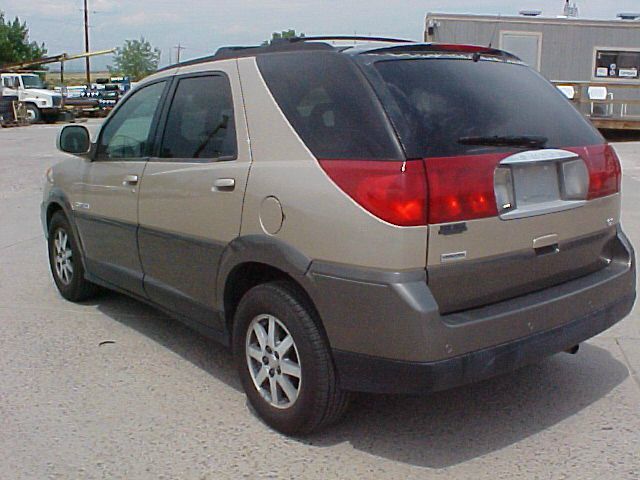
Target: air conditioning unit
[
  {"x": 530, "y": 13},
  {"x": 629, "y": 16}
]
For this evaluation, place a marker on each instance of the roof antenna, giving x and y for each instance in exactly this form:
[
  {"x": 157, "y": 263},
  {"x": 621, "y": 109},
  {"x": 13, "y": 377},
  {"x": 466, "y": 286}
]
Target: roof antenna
[
  {"x": 571, "y": 10},
  {"x": 495, "y": 30}
]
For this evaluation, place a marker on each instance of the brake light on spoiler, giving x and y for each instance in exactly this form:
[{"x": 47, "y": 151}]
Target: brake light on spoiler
[{"x": 448, "y": 189}]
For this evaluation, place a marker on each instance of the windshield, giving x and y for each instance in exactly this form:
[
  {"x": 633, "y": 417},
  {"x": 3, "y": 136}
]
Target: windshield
[
  {"x": 32, "y": 81},
  {"x": 448, "y": 107}
]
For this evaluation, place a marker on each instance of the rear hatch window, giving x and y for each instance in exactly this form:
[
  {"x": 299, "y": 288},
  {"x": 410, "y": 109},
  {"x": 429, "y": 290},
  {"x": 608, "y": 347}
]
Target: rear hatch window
[
  {"x": 434, "y": 103},
  {"x": 511, "y": 170}
]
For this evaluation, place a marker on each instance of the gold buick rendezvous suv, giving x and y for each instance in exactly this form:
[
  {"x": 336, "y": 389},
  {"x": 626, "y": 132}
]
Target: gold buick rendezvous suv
[{"x": 388, "y": 217}]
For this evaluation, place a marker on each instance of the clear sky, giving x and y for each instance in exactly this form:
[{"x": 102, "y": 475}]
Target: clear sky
[{"x": 201, "y": 26}]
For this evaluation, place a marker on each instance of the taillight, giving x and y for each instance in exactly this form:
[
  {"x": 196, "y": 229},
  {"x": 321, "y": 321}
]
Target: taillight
[
  {"x": 605, "y": 173},
  {"x": 461, "y": 188},
  {"x": 390, "y": 190}
]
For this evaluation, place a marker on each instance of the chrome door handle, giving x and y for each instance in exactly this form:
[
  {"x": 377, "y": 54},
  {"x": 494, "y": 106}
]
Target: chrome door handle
[
  {"x": 223, "y": 184},
  {"x": 130, "y": 180}
]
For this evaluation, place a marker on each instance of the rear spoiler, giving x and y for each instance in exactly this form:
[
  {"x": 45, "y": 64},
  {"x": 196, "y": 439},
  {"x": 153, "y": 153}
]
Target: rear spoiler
[{"x": 445, "y": 48}]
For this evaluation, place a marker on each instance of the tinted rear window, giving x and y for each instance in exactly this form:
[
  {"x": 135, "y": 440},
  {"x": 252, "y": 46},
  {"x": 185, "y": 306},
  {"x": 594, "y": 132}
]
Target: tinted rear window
[
  {"x": 330, "y": 105},
  {"x": 435, "y": 102},
  {"x": 200, "y": 123}
]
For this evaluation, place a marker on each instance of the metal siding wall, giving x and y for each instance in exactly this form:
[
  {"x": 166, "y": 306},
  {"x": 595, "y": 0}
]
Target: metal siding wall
[{"x": 567, "y": 51}]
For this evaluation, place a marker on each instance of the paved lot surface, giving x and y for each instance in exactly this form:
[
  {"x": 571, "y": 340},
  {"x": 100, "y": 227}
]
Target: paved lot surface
[{"x": 162, "y": 402}]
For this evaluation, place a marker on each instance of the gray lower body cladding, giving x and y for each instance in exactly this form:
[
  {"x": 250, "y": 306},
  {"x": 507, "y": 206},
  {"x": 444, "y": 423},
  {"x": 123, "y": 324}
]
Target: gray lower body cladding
[
  {"x": 371, "y": 374},
  {"x": 388, "y": 335}
]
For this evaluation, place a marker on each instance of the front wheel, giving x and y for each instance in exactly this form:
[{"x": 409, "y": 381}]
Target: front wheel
[
  {"x": 33, "y": 113},
  {"x": 65, "y": 261},
  {"x": 284, "y": 361}
]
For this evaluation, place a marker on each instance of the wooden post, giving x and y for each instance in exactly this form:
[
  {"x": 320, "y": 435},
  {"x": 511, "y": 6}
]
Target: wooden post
[{"x": 86, "y": 42}]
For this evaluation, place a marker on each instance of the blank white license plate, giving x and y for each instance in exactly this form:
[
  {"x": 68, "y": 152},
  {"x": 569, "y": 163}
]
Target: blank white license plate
[{"x": 535, "y": 184}]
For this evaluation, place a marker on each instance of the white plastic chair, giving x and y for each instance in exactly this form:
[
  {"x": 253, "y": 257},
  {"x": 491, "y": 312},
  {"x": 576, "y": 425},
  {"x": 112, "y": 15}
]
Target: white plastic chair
[
  {"x": 599, "y": 109},
  {"x": 568, "y": 91}
]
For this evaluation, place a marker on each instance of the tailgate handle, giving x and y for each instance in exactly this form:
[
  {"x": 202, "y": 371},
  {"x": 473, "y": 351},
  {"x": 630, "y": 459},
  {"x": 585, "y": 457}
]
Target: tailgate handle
[{"x": 546, "y": 244}]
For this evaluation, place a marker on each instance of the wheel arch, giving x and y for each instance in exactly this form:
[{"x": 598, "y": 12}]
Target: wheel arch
[
  {"x": 57, "y": 201},
  {"x": 256, "y": 259},
  {"x": 52, "y": 208}
]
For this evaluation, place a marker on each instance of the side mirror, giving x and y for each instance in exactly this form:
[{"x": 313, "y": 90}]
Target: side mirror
[{"x": 74, "y": 139}]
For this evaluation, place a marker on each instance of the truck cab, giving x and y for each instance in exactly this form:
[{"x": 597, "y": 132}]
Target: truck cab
[{"x": 41, "y": 103}]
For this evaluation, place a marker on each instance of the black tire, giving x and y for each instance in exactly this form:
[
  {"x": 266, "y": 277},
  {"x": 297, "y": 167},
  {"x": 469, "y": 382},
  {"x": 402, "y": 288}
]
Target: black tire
[
  {"x": 320, "y": 402},
  {"x": 33, "y": 113},
  {"x": 50, "y": 117},
  {"x": 74, "y": 287}
]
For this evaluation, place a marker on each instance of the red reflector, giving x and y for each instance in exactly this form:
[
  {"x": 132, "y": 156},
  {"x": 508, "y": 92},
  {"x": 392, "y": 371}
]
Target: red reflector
[
  {"x": 381, "y": 187},
  {"x": 461, "y": 188},
  {"x": 605, "y": 173}
]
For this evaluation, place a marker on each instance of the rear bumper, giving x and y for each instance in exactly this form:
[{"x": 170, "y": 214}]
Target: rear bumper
[
  {"x": 388, "y": 336},
  {"x": 359, "y": 372}
]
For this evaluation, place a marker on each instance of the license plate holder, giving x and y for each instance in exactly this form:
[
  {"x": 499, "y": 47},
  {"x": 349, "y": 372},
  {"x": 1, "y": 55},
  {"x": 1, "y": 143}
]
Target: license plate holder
[{"x": 536, "y": 183}]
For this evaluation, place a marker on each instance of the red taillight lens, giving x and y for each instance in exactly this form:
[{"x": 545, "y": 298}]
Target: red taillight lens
[
  {"x": 383, "y": 188},
  {"x": 605, "y": 173},
  {"x": 461, "y": 188}
]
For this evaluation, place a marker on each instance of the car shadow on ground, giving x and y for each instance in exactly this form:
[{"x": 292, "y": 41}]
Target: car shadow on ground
[
  {"x": 203, "y": 352},
  {"x": 435, "y": 431}
]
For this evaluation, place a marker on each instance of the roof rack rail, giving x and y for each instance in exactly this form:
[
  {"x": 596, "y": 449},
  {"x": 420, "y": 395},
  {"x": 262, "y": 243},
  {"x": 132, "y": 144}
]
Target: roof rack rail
[
  {"x": 350, "y": 37},
  {"x": 224, "y": 53},
  {"x": 284, "y": 44}
]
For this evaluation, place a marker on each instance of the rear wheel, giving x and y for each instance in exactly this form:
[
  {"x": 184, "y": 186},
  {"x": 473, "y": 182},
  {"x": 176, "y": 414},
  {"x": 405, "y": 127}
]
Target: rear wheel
[
  {"x": 284, "y": 361},
  {"x": 65, "y": 261}
]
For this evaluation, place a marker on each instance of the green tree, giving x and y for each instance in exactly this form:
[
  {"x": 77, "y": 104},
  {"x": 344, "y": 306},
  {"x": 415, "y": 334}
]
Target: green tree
[
  {"x": 14, "y": 42},
  {"x": 280, "y": 35},
  {"x": 135, "y": 59}
]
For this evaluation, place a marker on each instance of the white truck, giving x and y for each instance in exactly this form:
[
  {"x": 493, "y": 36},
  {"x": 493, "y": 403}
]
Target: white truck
[{"x": 42, "y": 104}]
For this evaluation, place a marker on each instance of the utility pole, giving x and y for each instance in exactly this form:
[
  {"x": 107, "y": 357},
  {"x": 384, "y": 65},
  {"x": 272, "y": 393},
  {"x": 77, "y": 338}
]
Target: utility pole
[
  {"x": 86, "y": 42},
  {"x": 178, "y": 49}
]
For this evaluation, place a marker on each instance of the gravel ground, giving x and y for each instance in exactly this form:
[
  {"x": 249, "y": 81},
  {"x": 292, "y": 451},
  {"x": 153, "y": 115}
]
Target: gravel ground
[{"x": 163, "y": 402}]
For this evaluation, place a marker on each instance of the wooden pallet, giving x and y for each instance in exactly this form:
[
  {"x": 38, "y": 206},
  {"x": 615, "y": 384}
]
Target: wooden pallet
[{"x": 19, "y": 119}]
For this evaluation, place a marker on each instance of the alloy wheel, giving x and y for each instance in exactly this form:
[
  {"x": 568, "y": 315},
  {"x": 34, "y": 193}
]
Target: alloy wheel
[
  {"x": 273, "y": 361},
  {"x": 63, "y": 257}
]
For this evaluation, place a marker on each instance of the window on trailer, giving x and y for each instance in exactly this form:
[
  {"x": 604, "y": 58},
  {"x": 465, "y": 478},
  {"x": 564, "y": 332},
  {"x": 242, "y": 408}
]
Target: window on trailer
[{"x": 622, "y": 64}]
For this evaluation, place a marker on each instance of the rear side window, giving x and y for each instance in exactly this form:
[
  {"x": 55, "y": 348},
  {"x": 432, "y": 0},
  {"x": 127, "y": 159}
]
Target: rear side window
[
  {"x": 330, "y": 105},
  {"x": 200, "y": 123},
  {"x": 436, "y": 102}
]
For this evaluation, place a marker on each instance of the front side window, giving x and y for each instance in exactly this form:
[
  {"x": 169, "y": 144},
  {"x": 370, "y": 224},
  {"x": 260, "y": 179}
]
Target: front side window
[
  {"x": 200, "y": 123},
  {"x": 127, "y": 135}
]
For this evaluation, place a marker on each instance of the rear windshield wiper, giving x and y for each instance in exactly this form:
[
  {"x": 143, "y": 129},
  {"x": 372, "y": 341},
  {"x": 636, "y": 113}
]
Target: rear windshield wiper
[{"x": 526, "y": 141}]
